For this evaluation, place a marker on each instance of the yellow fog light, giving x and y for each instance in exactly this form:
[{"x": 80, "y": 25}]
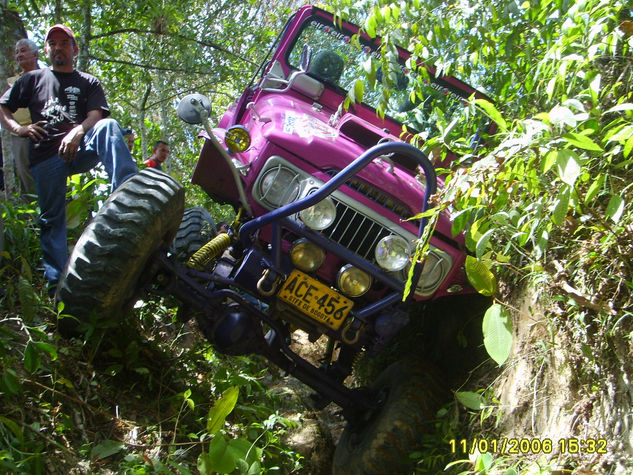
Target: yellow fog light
[
  {"x": 353, "y": 281},
  {"x": 306, "y": 256},
  {"x": 237, "y": 138}
]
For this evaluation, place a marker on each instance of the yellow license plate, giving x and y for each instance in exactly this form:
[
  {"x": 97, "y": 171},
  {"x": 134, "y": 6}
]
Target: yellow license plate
[{"x": 316, "y": 300}]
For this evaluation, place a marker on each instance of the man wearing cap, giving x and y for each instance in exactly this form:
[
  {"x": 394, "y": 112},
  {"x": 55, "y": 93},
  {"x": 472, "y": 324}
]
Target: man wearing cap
[{"x": 69, "y": 134}]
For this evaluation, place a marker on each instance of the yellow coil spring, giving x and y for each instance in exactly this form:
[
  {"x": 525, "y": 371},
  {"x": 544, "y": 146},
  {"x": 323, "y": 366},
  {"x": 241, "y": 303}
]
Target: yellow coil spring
[{"x": 214, "y": 248}]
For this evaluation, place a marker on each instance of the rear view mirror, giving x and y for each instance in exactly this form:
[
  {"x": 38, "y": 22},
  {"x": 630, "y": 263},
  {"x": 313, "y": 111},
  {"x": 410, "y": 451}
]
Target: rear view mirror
[{"x": 194, "y": 108}]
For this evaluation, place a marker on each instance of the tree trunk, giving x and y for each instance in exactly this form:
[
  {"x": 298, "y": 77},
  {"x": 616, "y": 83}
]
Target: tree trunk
[
  {"x": 142, "y": 109},
  {"x": 164, "y": 113},
  {"x": 11, "y": 29},
  {"x": 58, "y": 11},
  {"x": 86, "y": 34}
]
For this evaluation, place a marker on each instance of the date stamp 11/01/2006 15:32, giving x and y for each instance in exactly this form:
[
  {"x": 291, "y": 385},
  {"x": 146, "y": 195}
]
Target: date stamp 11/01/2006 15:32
[{"x": 524, "y": 446}]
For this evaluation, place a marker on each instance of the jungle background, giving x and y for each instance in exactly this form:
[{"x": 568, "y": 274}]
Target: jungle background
[{"x": 545, "y": 206}]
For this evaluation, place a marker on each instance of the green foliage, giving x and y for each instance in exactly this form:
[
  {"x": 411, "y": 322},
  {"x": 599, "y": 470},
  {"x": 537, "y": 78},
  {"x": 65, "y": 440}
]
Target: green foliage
[
  {"x": 497, "y": 331},
  {"x": 480, "y": 277},
  {"x": 68, "y": 402},
  {"x": 547, "y": 202}
]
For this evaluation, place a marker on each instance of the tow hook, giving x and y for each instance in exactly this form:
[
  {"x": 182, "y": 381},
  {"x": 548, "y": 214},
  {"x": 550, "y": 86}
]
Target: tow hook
[
  {"x": 268, "y": 284},
  {"x": 351, "y": 331}
]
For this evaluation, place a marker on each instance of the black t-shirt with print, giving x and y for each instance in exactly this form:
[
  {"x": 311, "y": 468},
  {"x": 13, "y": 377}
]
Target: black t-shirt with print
[{"x": 63, "y": 100}]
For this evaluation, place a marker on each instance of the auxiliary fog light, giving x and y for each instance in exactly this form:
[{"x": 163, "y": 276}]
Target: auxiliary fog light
[
  {"x": 352, "y": 281},
  {"x": 306, "y": 255},
  {"x": 320, "y": 215},
  {"x": 237, "y": 138},
  {"x": 392, "y": 253}
]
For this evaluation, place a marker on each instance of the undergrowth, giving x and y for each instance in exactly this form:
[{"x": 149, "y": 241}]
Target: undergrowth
[{"x": 150, "y": 397}]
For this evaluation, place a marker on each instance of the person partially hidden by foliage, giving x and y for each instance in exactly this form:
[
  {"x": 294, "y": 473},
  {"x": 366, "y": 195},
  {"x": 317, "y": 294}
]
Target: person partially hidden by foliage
[
  {"x": 26, "y": 56},
  {"x": 128, "y": 135},
  {"x": 159, "y": 155},
  {"x": 69, "y": 134}
]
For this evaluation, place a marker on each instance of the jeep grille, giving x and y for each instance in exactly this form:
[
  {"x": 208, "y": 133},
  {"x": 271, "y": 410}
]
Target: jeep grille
[
  {"x": 355, "y": 231},
  {"x": 388, "y": 202}
]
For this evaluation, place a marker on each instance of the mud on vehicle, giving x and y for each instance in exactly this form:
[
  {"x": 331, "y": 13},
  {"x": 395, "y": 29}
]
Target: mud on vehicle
[{"x": 327, "y": 200}]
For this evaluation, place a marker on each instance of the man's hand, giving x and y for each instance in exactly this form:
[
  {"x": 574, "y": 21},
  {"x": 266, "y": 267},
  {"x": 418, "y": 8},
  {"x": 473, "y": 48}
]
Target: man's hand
[
  {"x": 34, "y": 131},
  {"x": 70, "y": 143}
]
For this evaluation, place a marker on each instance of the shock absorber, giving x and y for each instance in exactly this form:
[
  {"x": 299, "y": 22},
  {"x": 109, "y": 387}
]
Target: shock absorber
[{"x": 214, "y": 248}]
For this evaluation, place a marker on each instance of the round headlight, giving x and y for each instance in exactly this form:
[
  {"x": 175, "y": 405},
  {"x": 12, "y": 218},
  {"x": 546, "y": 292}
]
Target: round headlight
[
  {"x": 352, "y": 281},
  {"x": 306, "y": 256},
  {"x": 279, "y": 186},
  {"x": 392, "y": 253},
  {"x": 435, "y": 268},
  {"x": 320, "y": 215}
]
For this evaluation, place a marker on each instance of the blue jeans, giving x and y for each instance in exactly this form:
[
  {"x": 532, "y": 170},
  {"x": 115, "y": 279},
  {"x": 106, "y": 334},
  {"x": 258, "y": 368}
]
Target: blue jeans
[{"x": 105, "y": 143}]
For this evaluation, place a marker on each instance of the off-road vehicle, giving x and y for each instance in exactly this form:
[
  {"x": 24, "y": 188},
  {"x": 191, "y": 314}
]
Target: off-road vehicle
[{"x": 328, "y": 195}]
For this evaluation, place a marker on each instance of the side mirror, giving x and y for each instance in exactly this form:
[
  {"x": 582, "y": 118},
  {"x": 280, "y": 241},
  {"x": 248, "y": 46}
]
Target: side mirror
[{"x": 194, "y": 108}]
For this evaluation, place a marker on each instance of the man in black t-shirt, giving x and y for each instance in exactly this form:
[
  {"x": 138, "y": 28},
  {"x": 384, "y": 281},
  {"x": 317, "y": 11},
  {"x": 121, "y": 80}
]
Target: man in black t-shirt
[{"x": 69, "y": 134}]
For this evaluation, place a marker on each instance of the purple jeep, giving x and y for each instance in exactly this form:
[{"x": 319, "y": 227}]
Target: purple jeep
[{"x": 327, "y": 196}]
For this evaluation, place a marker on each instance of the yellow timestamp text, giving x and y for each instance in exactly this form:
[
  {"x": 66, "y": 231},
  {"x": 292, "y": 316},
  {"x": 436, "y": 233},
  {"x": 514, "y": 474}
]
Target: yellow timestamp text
[{"x": 522, "y": 446}]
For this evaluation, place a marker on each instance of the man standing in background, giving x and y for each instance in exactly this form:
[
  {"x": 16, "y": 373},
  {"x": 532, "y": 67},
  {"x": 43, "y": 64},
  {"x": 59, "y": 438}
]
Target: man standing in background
[
  {"x": 26, "y": 56},
  {"x": 159, "y": 155}
]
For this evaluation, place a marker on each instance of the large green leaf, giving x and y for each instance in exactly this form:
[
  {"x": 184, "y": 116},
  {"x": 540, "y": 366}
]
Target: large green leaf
[
  {"x": 480, "y": 277},
  {"x": 582, "y": 141},
  {"x": 568, "y": 166},
  {"x": 219, "y": 459},
  {"x": 615, "y": 208},
  {"x": 595, "y": 188},
  {"x": 561, "y": 205},
  {"x": 106, "y": 449},
  {"x": 32, "y": 359},
  {"x": 497, "y": 330},
  {"x": 492, "y": 112},
  {"x": 28, "y": 298},
  {"x": 221, "y": 409},
  {"x": 469, "y": 399}
]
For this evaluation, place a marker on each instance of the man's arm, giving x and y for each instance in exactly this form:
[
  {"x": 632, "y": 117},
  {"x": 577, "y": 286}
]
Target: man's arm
[
  {"x": 71, "y": 142},
  {"x": 33, "y": 131}
]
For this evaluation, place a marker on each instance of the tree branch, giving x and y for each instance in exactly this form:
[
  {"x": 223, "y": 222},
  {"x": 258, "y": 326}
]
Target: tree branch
[
  {"x": 173, "y": 35},
  {"x": 148, "y": 66}
]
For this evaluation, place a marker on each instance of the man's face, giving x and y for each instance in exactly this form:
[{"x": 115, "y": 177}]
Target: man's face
[
  {"x": 161, "y": 152},
  {"x": 60, "y": 49},
  {"x": 26, "y": 59}
]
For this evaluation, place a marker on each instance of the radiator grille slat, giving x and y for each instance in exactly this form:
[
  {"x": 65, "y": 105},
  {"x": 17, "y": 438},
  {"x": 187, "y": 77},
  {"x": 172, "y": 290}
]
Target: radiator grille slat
[{"x": 355, "y": 231}]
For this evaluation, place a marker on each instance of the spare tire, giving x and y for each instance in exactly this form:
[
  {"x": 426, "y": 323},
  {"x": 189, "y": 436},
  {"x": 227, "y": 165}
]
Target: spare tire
[
  {"x": 108, "y": 262},
  {"x": 196, "y": 229}
]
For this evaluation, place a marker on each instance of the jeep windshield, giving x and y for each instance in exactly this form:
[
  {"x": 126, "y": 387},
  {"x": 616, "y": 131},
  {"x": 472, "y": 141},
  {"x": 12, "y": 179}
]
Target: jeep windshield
[{"x": 431, "y": 107}]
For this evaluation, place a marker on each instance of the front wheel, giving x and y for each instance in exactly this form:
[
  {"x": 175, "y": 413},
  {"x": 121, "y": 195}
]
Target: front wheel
[
  {"x": 110, "y": 257},
  {"x": 408, "y": 396}
]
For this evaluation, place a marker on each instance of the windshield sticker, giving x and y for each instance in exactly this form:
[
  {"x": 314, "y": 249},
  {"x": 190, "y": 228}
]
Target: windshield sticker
[{"x": 306, "y": 126}]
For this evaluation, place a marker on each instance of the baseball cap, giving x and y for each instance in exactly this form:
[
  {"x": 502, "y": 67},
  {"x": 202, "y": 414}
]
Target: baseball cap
[{"x": 64, "y": 29}]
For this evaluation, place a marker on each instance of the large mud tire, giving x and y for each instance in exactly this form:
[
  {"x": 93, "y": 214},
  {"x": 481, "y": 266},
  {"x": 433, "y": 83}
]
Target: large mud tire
[
  {"x": 196, "y": 229},
  {"x": 109, "y": 259},
  {"x": 382, "y": 443}
]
